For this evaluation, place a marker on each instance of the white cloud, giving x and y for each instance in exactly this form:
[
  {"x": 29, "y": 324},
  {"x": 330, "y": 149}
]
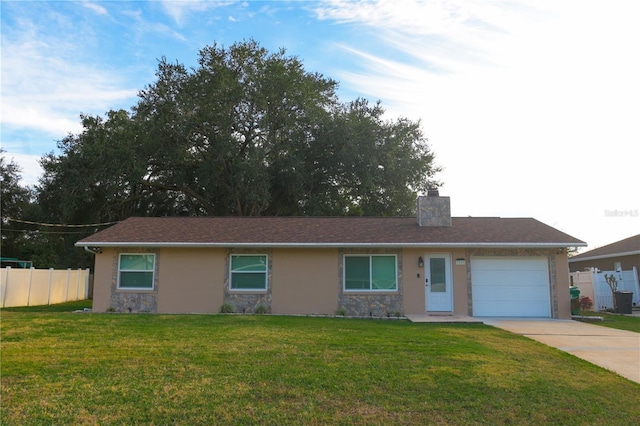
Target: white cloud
[
  {"x": 44, "y": 84},
  {"x": 468, "y": 21},
  {"x": 30, "y": 169},
  {"x": 530, "y": 108},
  {"x": 95, "y": 7},
  {"x": 178, "y": 10},
  {"x": 414, "y": 17},
  {"x": 142, "y": 27}
]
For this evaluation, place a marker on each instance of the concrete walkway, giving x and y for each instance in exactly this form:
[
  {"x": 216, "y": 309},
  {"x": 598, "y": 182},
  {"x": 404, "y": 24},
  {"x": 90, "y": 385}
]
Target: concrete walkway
[
  {"x": 615, "y": 350},
  {"x": 451, "y": 319}
]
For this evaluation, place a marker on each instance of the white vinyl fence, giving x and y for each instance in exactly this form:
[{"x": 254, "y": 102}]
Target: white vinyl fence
[
  {"x": 30, "y": 287},
  {"x": 593, "y": 285}
]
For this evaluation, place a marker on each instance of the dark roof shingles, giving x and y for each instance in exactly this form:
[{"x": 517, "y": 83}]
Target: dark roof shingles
[
  {"x": 628, "y": 245},
  {"x": 327, "y": 230}
]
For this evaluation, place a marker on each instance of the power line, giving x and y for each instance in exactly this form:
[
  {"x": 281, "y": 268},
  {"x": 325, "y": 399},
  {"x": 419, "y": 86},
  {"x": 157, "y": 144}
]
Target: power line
[
  {"x": 26, "y": 231},
  {"x": 61, "y": 225}
]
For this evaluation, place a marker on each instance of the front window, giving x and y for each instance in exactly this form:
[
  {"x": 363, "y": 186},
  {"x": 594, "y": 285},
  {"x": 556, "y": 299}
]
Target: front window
[
  {"x": 248, "y": 272},
  {"x": 370, "y": 273},
  {"x": 135, "y": 271}
]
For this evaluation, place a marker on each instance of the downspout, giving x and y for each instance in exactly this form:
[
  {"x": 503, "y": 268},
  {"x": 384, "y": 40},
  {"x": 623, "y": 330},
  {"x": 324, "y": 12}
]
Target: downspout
[{"x": 92, "y": 251}]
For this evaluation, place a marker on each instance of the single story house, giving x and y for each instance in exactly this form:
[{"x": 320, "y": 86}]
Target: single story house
[
  {"x": 621, "y": 255},
  {"x": 363, "y": 266}
]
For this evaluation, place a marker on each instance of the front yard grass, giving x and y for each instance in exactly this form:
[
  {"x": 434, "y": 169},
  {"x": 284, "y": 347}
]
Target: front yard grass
[
  {"x": 621, "y": 322},
  {"x": 64, "y": 368},
  {"x": 59, "y": 307}
]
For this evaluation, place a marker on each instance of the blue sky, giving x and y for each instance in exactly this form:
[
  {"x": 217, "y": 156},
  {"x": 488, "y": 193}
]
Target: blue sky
[{"x": 532, "y": 107}]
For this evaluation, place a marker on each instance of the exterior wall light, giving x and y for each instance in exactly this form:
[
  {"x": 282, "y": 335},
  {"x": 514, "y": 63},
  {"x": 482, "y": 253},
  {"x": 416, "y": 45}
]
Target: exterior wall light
[{"x": 420, "y": 262}]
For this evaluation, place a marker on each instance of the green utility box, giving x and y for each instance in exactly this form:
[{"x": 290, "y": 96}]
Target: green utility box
[{"x": 575, "y": 300}]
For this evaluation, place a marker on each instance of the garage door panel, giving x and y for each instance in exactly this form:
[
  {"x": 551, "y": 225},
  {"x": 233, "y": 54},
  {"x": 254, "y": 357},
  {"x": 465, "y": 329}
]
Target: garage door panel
[
  {"x": 507, "y": 310},
  {"x": 498, "y": 263},
  {"x": 511, "y": 293},
  {"x": 509, "y": 278},
  {"x": 509, "y": 286}
]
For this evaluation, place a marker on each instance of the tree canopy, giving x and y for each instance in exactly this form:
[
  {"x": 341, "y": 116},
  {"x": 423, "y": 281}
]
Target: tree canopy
[
  {"x": 14, "y": 200},
  {"x": 245, "y": 132}
]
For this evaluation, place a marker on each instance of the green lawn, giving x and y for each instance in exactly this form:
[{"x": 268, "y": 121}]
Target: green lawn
[
  {"x": 622, "y": 322},
  {"x": 60, "y": 307},
  {"x": 63, "y": 368}
]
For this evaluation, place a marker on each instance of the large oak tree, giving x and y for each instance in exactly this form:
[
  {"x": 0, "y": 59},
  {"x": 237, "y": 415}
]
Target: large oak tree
[
  {"x": 14, "y": 201},
  {"x": 245, "y": 132}
]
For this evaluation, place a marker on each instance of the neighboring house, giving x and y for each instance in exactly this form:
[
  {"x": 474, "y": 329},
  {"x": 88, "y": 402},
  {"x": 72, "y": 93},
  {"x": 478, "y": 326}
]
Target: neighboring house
[
  {"x": 366, "y": 266},
  {"x": 623, "y": 254}
]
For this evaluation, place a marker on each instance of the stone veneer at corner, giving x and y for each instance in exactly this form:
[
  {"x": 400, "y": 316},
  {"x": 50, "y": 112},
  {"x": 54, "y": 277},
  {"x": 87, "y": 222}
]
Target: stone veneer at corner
[{"x": 434, "y": 210}]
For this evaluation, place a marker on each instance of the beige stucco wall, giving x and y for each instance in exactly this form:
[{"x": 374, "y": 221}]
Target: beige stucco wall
[
  {"x": 562, "y": 286},
  {"x": 187, "y": 280},
  {"x": 302, "y": 281},
  {"x": 305, "y": 281},
  {"x": 103, "y": 273},
  {"x": 413, "y": 282},
  {"x": 191, "y": 279},
  {"x": 460, "y": 282}
]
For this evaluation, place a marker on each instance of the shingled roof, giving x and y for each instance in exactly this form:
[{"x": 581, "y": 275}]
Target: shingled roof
[
  {"x": 327, "y": 232},
  {"x": 626, "y": 247}
]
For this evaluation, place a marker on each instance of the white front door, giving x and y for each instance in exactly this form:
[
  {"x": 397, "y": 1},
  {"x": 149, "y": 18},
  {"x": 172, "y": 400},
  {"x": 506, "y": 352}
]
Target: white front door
[{"x": 438, "y": 291}]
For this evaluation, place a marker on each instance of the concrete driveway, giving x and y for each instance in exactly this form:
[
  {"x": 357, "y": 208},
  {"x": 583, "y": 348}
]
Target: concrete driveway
[{"x": 615, "y": 350}]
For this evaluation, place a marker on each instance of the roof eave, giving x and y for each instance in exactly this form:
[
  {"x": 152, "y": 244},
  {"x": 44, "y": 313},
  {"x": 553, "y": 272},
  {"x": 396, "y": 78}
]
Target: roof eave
[
  {"x": 603, "y": 256},
  {"x": 549, "y": 245}
]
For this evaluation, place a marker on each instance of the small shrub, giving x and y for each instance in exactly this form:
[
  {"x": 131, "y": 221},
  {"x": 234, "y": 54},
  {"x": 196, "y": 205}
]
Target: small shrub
[
  {"x": 261, "y": 309},
  {"x": 341, "y": 312},
  {"x": 586, "y": 303},
  {"x": 575, "y": 305},
  {"x": 110, "y": 309},
  {"x": 226, "y": 308}
]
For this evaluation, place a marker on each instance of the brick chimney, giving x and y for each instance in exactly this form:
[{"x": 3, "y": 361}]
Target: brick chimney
[{"x": 434, "y": 210}]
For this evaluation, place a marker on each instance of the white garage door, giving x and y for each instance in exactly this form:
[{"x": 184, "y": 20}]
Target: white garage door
[{"x": 510, "y": 287}]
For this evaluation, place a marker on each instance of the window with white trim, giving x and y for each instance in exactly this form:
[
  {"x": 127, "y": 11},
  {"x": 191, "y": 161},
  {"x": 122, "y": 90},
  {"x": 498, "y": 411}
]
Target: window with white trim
[
  {"x": 248, "y": 272},
  {"x": 135, "y": 271},
  {"x": 370, "y": 273}
]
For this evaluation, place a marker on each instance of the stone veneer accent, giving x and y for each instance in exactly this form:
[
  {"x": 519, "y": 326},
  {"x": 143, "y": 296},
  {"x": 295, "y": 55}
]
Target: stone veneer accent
[
  {"x": 248, "y": 301},
  {"x": 134, "y": 300},
  {"x": 549, "y": 254},
  {"x": 434, "y": 210},
  {"x": 365, "y": 304}
]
